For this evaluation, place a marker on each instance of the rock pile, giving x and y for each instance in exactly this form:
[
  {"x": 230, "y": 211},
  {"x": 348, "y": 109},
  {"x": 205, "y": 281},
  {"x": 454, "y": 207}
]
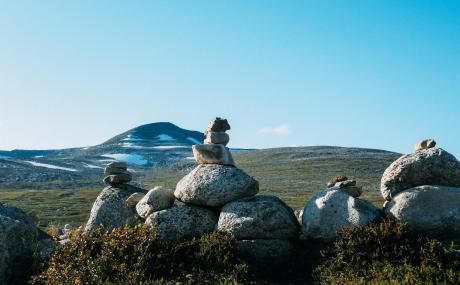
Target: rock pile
[
  {"x": 423, "y": 190},
  {"x": 115, "y": 206},
  {"x": 346, "y": 185},
  {"x": 330, "y": 210}
]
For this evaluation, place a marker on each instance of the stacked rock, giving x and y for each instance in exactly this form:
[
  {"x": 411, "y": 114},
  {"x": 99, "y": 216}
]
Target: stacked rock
[
  {"x": 116, "y": 173},
  {"x": 214, "y": 150},
  {"x": 423, "y": 190},
  {"x": 328, "y": 211},
  {"x": 115, "y": 205},
  {"x": 346, "y": 185}
]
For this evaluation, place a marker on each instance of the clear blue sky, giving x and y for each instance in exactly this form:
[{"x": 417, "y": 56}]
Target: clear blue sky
[{"x": 378, "y": 74}]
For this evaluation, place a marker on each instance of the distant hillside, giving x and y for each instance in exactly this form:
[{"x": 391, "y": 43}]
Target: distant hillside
[{"x": 142, "y": 148}]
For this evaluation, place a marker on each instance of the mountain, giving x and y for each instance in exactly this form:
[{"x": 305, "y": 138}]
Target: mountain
[{"x": 143, "y": 148}]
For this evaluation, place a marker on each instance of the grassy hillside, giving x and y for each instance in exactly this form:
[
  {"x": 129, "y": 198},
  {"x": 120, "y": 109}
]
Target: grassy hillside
[{"x": 293, "y": 174}]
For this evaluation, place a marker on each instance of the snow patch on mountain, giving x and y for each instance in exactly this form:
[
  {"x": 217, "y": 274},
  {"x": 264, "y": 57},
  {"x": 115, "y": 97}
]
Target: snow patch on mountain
[
  {"x": 135, "y": 159},
  {"x": 51, "y": 166},
  {"x": 165, "y": 138},
  {"x": 93, "y": 166},
  {"x": 195, "y": 141}
]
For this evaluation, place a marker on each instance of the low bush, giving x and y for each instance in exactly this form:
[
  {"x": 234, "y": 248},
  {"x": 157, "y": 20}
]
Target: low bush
[
  {"x": 132, "y": 255},
  {"x": 386, "y": 252}
]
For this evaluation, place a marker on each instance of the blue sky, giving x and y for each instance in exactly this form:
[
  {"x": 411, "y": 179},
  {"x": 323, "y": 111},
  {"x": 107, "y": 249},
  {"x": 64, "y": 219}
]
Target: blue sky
[{"x": 377, "y": 74}]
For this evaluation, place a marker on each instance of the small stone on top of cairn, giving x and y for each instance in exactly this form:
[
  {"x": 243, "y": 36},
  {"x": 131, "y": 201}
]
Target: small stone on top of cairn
[
  {"x": 214, "y": 150},
  {"x": 425, "y": 144},
  {"x": 346, "y": 185},
  {"x": 116, "y": 173}
]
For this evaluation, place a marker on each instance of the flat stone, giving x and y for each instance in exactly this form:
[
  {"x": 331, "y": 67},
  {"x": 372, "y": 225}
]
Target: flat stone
[
  {"x": 118, "y": 164},
  {"x": 212, "y": 154},
  {"x": 346, "y": 183},
  {"x": 215, "y": 185},
  {"x": 425, "y": 144},
  {"x": 118, "y": 179},
  {"x": 217, "y": 138},
  {"x": 433, "y": 166},
  {"x": 430, "y": 210},
  {"x": 330, "y": 210},
  {"x": 114, "y": 170},
  {"x": 218, "y": 125},
  {"x": 157, "y": 199},
  {"x": 259, "y": 217},
  {"x": 353, "y": 191},
  {"x": 186, "y": 221}
]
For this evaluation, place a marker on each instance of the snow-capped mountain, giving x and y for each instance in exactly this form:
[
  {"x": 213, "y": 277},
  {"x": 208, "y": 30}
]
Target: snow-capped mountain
[{"x": 142, "y": 148}]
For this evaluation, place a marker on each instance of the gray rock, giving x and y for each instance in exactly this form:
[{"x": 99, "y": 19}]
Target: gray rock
[
  {"x": 432, "y": 210},
  {"x": 157, "y": 199},
  {"x": 217, "y": 138},
  {"x": 118, "y": 164},
  {"x": 18, "y": 236},
  {"x": 346, "y": 183},
  {"x": 259, "y": 217},
  {"x": 330, "y": 210},
  {"x": 115, "y": 170},
  {"x": 218, "y": 125},
  {"x": 118, "y": 179},
  {"x": 433, "y": 166},
  {"x": 262, "y": 251},
  {"x": 212, "y": 154},
  {"x": 177, "y": 223},
  {"x": 353, "y": 191},
  {"x": 44, "y": 248},
  {"x": 110, "y": 209},
  {"x": 425, "y": 144},
  {"x": 215, "y": 185},
  {"x": 134, "y": 199}
]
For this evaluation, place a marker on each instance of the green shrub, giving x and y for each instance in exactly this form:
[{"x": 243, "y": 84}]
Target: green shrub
[
  {"x": 386, "y": 252},
  {"x": 133, "y": 256}
]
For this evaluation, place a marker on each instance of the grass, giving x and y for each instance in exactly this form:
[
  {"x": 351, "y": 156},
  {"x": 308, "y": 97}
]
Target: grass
[{"x": 292, "y": 174}]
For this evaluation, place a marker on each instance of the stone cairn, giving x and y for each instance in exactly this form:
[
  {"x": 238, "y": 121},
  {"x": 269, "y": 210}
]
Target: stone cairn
[
  {"x": 423, "y": 190},
  {"x": 336, "y": 207},
  {"x": 115, "y": 205}
]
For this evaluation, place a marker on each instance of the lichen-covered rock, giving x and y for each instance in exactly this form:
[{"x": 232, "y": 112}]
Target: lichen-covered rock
[
  {"x": 433, "y": 166},
  {"x": 110, "y": 209},
  {"x": 157, "y": 199},
  {"x": 215, "y": 185},
  {"x": 212, "y": 154},
  {"x": 259, "y": 217},
  {"x": 176, "y": 223},
  {"x": 217, "y": 125},
  {"x": 425, "y": 144},
  {"x": 330, "y": 210},
  {"x": 262, "y": 251},
  {"x": 134, "y": 199},
  {"x": 217, "y": 138},
  {"x": 432, "y": 210}
]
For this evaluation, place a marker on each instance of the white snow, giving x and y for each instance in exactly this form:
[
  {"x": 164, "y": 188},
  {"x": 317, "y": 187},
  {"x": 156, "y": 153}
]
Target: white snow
[
  {"x": 34, "y": 163},
  {"x": 39, "y": 156},
  {"x": 190, "y": 157},
  {"x": 165, "y": 138},
  {"x": 92, "y": 166},
  {"x": 169, "y": 146},
  {"x": 194, "y": 140},
  {"x": 128, "y": 158},
  {"x": 131, "y": 138}
]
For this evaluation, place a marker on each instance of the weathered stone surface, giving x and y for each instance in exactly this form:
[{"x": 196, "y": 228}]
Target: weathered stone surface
[
  {"x": 272, "y": 251},
  {"x": 425, "y": 144},
  {"x": 110, "y": 209},
  {"x": 218, "y": 125},
  {"x": 118, "y": 179},
  {"x": 212, "y": 154},
  {"x": 433, "y": 210},
  {"x": 345, "y": 183},
  {"x": 217, "y": 138},
  {"x": 157, "y": 199},
  {"x": 259, "y": 217},
  {"x": 215, "y": 185},
  {"x": 330, "y": 210},
  {"x": 433, "y": 166},
  {"x": 118, "y": 164},
  {"x": 18, "y": 238},
  {"x": 353, "y": 191},
  {"x": 115, "y": 170},
  {"x": 176, "y": 223},
  {"x": 134, "y": 199}
]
